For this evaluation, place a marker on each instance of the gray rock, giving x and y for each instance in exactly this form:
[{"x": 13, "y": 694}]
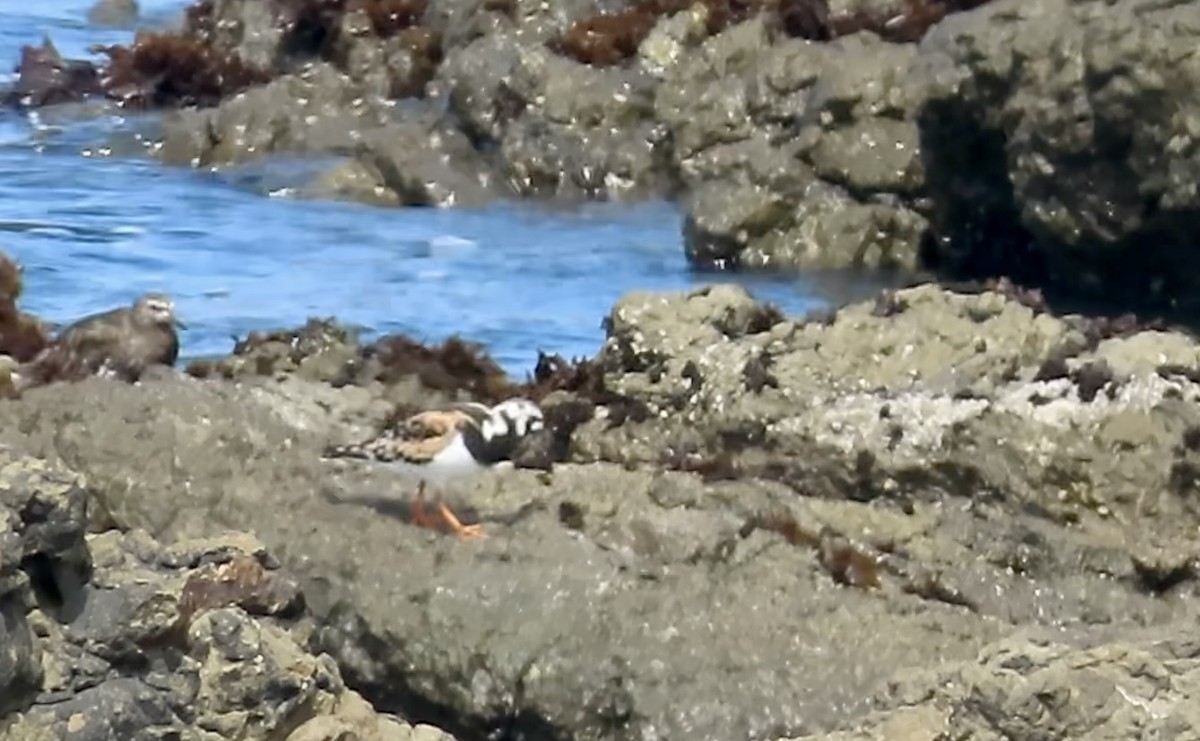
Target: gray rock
[
  {"x": 860, "y": 487},
  {"x": 461, "y": 22},
  {"x": 1077, "y": 121},
  {"x": 114, "y": 636},
  {"x": 879, "y": 156},
  {"x": 20, "y": 657},
  {"x": 1015, "y": 686},
  {"x": 723, "y": 222},
  {"x": 427, "y": 164},
  {"x": 560, "y": 128},
  {"x": 249, "y": 29},
  {"x": 916, "y": 418},
  {"x": 391, "y": 68},
  {"x": 402, "y": 155},
  {"x": 671, "y": 37},
  {"x": 43, "y": 561},
  {"x": 482, "y": 86},
  {"x": 796, "y": 155},
  {"x": 730, "y": 225},
  {"x": 453, "y": 633},
  {"x": 318, "y": 110},
  {"x": 589, "y": 134},
  {"x": 113, "y": 12},
  {"x": 705, "y": 99}
]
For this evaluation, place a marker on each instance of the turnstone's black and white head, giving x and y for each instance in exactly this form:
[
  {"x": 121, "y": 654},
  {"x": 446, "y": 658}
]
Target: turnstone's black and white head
[
  {"x": 439, "y": 444},
  {"x": 119, "y": 343}
]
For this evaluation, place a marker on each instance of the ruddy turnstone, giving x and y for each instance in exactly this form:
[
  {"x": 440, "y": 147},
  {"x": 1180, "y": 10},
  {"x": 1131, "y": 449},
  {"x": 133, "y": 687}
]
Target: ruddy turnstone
[
  {"x": 118, "y": 343},
  {"x": 440, "y": 444}
]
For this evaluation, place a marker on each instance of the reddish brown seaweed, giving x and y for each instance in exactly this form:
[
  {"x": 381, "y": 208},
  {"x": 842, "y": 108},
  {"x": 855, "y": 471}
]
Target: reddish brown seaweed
[
  {"x": 22, "y": 336},
  {"x": 611, "y": 38},
  {"x": 191, "y": 68},
  {"x": 161, "y": 69}
]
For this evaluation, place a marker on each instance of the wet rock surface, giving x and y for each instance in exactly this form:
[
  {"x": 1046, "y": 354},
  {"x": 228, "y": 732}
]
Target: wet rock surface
[{"x": 748, "y": 525}]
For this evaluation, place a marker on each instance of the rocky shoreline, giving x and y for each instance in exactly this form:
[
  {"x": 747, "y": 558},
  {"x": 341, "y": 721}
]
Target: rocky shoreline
[
  {"x": 1048, "y": 141},
  {"x": 950, "y": 511},
  {"x": 736, "y": 525}
]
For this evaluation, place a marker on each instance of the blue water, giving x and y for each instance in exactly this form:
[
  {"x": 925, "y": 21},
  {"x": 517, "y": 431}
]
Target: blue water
[{"x": 94, "y": 228}]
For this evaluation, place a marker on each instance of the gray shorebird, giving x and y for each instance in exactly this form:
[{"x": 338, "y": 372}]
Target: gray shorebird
[
  {"x": 119, "y": 343},
  {"x": 441, "y": 444}
]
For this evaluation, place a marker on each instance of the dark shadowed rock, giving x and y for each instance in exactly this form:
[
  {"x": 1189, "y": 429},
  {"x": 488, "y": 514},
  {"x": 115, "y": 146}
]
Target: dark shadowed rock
[
  {"x": 1075, "y": 118},
  {"x": 43, "y": 560}
]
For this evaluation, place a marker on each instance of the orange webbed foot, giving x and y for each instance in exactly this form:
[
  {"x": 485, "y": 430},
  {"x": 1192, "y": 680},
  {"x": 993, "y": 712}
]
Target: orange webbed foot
[{"x": 466, "y": 532}]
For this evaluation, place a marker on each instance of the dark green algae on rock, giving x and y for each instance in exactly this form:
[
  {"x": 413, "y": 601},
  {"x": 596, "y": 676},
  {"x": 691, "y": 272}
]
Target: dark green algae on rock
[{"x": 843, "y": 512}]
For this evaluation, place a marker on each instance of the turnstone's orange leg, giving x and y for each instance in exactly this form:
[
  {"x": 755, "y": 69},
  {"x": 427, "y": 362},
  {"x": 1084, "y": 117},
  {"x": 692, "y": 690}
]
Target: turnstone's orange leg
[
  {"x": 417, "y": 514},
  {"x": 456, "y": 526}
]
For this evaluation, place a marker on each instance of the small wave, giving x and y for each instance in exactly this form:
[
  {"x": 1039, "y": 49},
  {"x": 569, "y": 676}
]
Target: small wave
[{"x": 451, "y": 242}]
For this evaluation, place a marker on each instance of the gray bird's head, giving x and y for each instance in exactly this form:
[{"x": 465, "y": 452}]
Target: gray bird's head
[{"x": 157, "y": 309}]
